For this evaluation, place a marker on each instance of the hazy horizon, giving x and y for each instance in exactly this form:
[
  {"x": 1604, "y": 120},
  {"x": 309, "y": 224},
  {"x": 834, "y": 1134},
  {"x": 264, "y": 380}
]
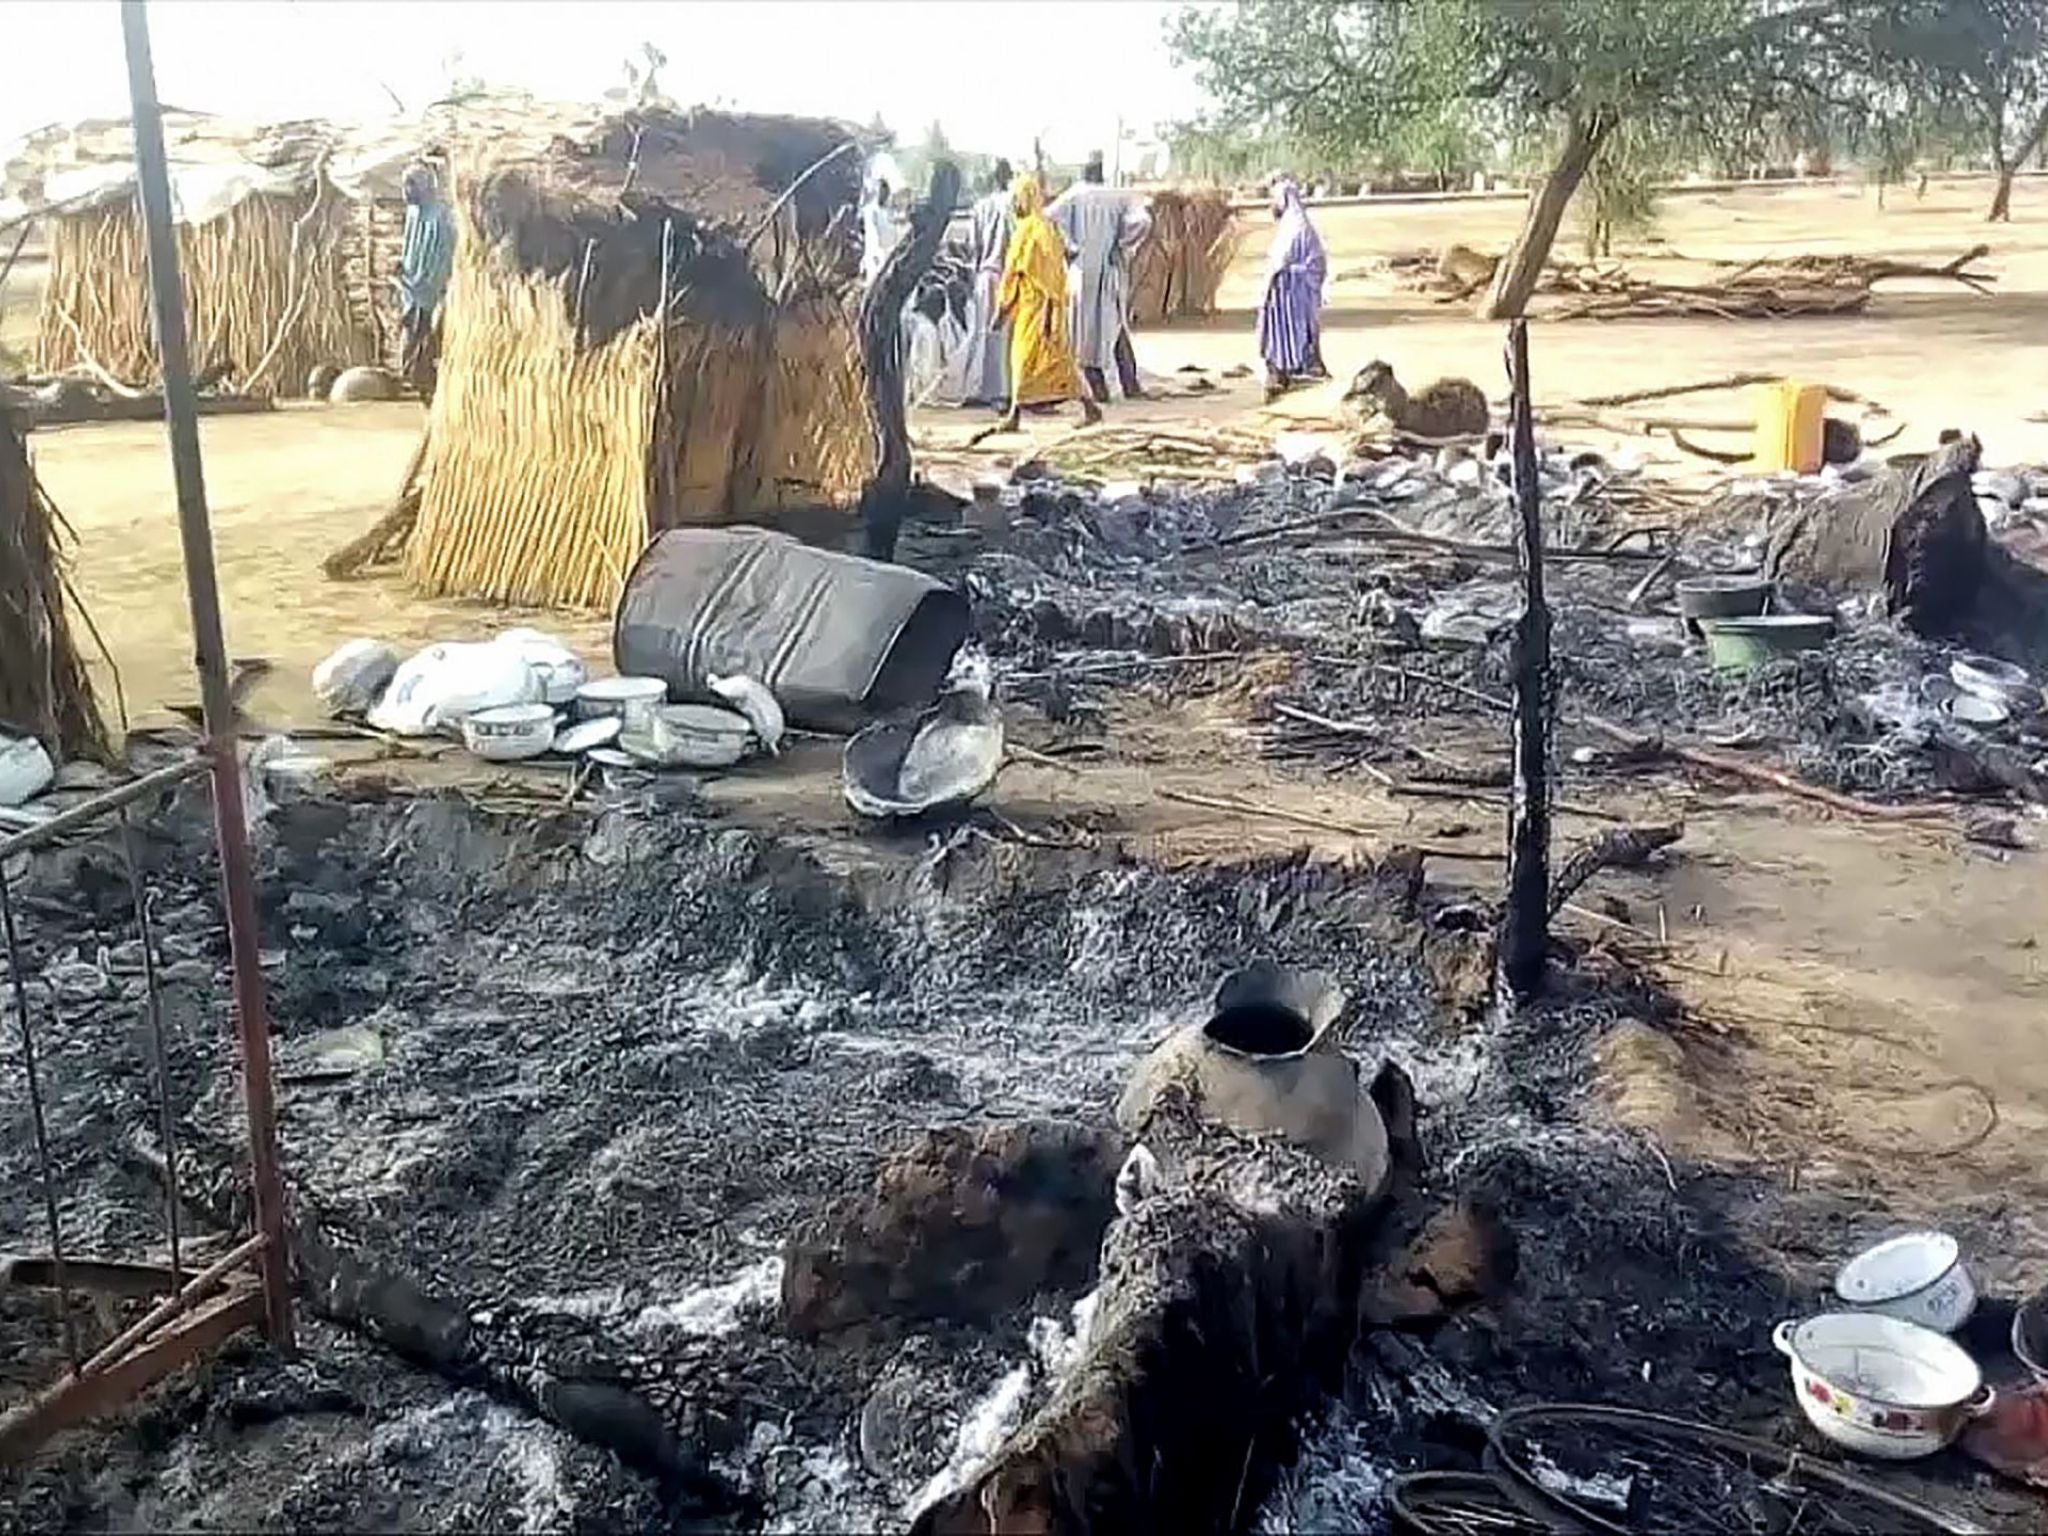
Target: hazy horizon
[{"x": 992, "y": 73}]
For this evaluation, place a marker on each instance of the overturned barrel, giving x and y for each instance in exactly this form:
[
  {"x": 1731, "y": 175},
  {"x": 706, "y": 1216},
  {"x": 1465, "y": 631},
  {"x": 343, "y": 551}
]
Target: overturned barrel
[{"x": 837, "y": 638}]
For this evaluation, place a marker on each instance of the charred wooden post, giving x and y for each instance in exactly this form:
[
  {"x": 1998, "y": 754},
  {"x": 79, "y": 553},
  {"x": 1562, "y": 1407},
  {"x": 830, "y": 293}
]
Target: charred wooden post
[
  {"x": 564, "y": 1370},
  {"x": 1525, "y": 917},
  {"x": 881, "y": 324}
]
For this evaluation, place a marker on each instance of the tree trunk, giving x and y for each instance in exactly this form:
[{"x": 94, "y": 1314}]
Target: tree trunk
[
  {"x": 2001, "y": 200},
  {"x": 1514, "y": 280}
]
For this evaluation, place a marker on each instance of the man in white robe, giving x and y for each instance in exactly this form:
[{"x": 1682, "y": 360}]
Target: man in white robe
[
  {"x": 1103, "y": 227},
  {"x": 985, "y": 368},
  {"x": 879, "y": 232}
]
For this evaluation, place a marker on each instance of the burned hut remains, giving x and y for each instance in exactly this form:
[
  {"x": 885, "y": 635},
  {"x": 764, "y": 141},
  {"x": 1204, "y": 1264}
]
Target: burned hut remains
[
  {"x": 44, "y": 688},
  {"x": 1180, "y": 264},
  {"x": 642, "y": 332}
]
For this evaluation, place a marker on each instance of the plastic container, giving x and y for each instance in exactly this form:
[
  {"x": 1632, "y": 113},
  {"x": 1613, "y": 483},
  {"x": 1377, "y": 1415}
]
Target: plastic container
[
  {"x": 1737, "y": 645},
  {"x": 1789, "y": 417}
]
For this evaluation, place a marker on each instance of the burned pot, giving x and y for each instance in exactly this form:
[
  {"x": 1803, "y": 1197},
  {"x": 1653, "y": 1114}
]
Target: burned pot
[
  {"x": 1266, "y": 1062},
  {"x": 941, "y": 760}
]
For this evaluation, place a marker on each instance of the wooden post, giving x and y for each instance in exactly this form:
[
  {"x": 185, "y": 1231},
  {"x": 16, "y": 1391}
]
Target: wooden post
[
  {"x": 881, "y": 321},
  {"x": 1525, "y": 915}
]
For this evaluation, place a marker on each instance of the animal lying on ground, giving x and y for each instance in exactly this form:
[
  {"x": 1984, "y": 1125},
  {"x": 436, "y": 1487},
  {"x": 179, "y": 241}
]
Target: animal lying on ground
[
  {"x": 1464, "y": 271},
  {"x": 1446, "y": 409},
  {"x": 1934, "y": 558}
]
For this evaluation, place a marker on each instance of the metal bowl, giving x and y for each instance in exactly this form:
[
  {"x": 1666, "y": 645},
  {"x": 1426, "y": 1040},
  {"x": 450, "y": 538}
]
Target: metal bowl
[
  {"x": 1720, "y": 597},
  {"x": 1917, "y": 1276},
  {"x": 509, "y": 732},
  {"x": 944, "y": 758}
]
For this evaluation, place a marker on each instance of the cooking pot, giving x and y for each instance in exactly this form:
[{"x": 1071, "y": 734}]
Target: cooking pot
[
  {"x": 1880, "y": 1386},
  {"x": 1266, "y": 1061}
]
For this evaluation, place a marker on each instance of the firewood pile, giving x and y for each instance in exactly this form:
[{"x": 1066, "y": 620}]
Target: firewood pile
[
  {"x": 1757, "y": 290},
  {"x": 1765, "y": 289}
]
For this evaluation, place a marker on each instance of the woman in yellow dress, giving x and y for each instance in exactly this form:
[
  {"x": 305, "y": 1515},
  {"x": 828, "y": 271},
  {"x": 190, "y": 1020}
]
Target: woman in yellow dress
[{"x": 1032, "y": 301}]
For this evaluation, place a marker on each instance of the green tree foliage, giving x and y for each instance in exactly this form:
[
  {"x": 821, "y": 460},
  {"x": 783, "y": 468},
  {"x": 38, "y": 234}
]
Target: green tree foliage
[
  {"x": 1973, "y": 72},
  {"x": 1354, "y": 76}
]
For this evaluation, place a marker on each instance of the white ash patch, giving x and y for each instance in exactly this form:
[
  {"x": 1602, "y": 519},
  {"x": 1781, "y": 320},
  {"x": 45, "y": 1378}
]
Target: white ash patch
[
  {"x": 987, "y": 1424},
  {"x": 713, "y": 1310}
]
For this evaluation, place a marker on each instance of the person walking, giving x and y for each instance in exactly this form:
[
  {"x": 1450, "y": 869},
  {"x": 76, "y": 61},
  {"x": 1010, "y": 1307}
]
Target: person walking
[
  {"x": 1032, "y": 302},
  {"x": 1290, "y": 318},
  {"x": 986, "y": 370},
  {"x": 1104, "y": 226},
  {"x": 880, "y": 230}
]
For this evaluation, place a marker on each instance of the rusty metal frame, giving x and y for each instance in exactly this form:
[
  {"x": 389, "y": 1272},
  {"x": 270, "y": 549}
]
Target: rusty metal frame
[{"x": 195, "y": 1315}]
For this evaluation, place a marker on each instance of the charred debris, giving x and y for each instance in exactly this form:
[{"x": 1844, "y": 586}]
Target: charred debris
[{"x": 705, "y": 1177}]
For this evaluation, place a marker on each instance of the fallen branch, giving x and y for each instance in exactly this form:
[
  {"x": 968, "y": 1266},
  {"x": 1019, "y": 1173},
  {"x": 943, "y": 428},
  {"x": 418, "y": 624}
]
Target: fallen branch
[
  {"x": 388, "y": 535},
  {"x": 1626, "y": 847},
  {"x": 1316, "y": 823},
  {"x": 1757, "y": 773}
]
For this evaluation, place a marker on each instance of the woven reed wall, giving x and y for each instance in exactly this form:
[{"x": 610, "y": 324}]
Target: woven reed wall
[
  {"x": 813, "y": 445},
  {"x": 550, "y": 463},
  {"x": 44, "y": 689},
  {"x": 246, "y": 298},
  {"x": 1181, "y": 263},
  {"x": 537, "y": 470}
]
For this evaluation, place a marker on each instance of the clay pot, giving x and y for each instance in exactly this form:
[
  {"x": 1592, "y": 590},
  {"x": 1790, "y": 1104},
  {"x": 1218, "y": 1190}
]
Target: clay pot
[{"x": 1265, "y": 1061}]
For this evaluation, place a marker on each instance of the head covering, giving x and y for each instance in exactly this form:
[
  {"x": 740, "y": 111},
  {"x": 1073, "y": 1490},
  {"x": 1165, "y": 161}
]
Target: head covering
[
  {"x": 1026, "y": 196},
  {"x": 419, "y": 183},
  {"x": 1286, "y": 194}
]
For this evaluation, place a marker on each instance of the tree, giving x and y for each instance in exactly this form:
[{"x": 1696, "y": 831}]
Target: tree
[
  {"x": 1349, "y": 74},
  {"x": 1980, "y": 65}
]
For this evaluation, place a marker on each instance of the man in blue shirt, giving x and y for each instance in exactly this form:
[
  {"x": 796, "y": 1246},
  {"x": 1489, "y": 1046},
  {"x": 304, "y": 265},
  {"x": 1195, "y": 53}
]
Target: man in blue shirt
[{"x": 425, "y": 259}]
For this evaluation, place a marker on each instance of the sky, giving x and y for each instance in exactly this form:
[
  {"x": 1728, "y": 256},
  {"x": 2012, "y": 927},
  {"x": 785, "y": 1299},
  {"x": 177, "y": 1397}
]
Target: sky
[{"x": 994, "y": 73}]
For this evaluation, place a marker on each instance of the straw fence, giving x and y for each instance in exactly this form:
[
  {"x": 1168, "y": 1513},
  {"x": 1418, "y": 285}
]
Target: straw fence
[
  {"x": 44, "y": 689},
  {"x": 1182, "y": 261},
  {"x": 267, "y": 295},
  {"x": 551, "y": 461},
  {"x": 536, "y": 478}
]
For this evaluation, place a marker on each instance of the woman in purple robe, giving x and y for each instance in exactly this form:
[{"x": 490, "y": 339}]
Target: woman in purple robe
[{"x": 1290, "y": 319}]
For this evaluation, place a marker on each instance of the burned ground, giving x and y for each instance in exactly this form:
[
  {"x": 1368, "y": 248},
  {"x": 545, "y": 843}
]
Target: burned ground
[
  {"x": 582, "y": 1078},
  {"x": 578, "y": 1074}
]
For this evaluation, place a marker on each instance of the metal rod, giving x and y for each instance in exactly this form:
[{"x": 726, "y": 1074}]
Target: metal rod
[
  {"x": 153, "y": 1011},
  {"x": 178, "y": 1301},
  {"x": 41, "y": 1127},
  {"x": 181, "y": 418},
  {"x": 99, "y": 805},
  {"x": 78, "y": 1398}
]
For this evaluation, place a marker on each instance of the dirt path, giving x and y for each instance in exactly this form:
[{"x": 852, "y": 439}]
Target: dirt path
[{"x": 1879, "y": 985}]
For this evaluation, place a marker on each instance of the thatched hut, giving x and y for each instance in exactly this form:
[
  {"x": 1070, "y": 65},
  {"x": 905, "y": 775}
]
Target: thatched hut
[
  {"x": 641, "y": 333},
  {"x": 1181, "y": 263},
  {"x": 287, "y": 237},
  {"x": 44, "y": 690}
]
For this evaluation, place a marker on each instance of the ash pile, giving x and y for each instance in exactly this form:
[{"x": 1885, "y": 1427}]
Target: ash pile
[
  {"x": 558, "y": 1104},
  {"x": 1390, "y": 587},
  {"x": 615, "y": 1145}
]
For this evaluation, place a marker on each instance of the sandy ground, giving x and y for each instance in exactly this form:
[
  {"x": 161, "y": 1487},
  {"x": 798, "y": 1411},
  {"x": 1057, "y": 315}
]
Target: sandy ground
[{"x": 1865, "y": 998}]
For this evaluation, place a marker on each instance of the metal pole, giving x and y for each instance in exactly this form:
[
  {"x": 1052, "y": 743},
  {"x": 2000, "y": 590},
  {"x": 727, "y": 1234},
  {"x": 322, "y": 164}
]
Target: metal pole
[{"x": 181, "y": 417}]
